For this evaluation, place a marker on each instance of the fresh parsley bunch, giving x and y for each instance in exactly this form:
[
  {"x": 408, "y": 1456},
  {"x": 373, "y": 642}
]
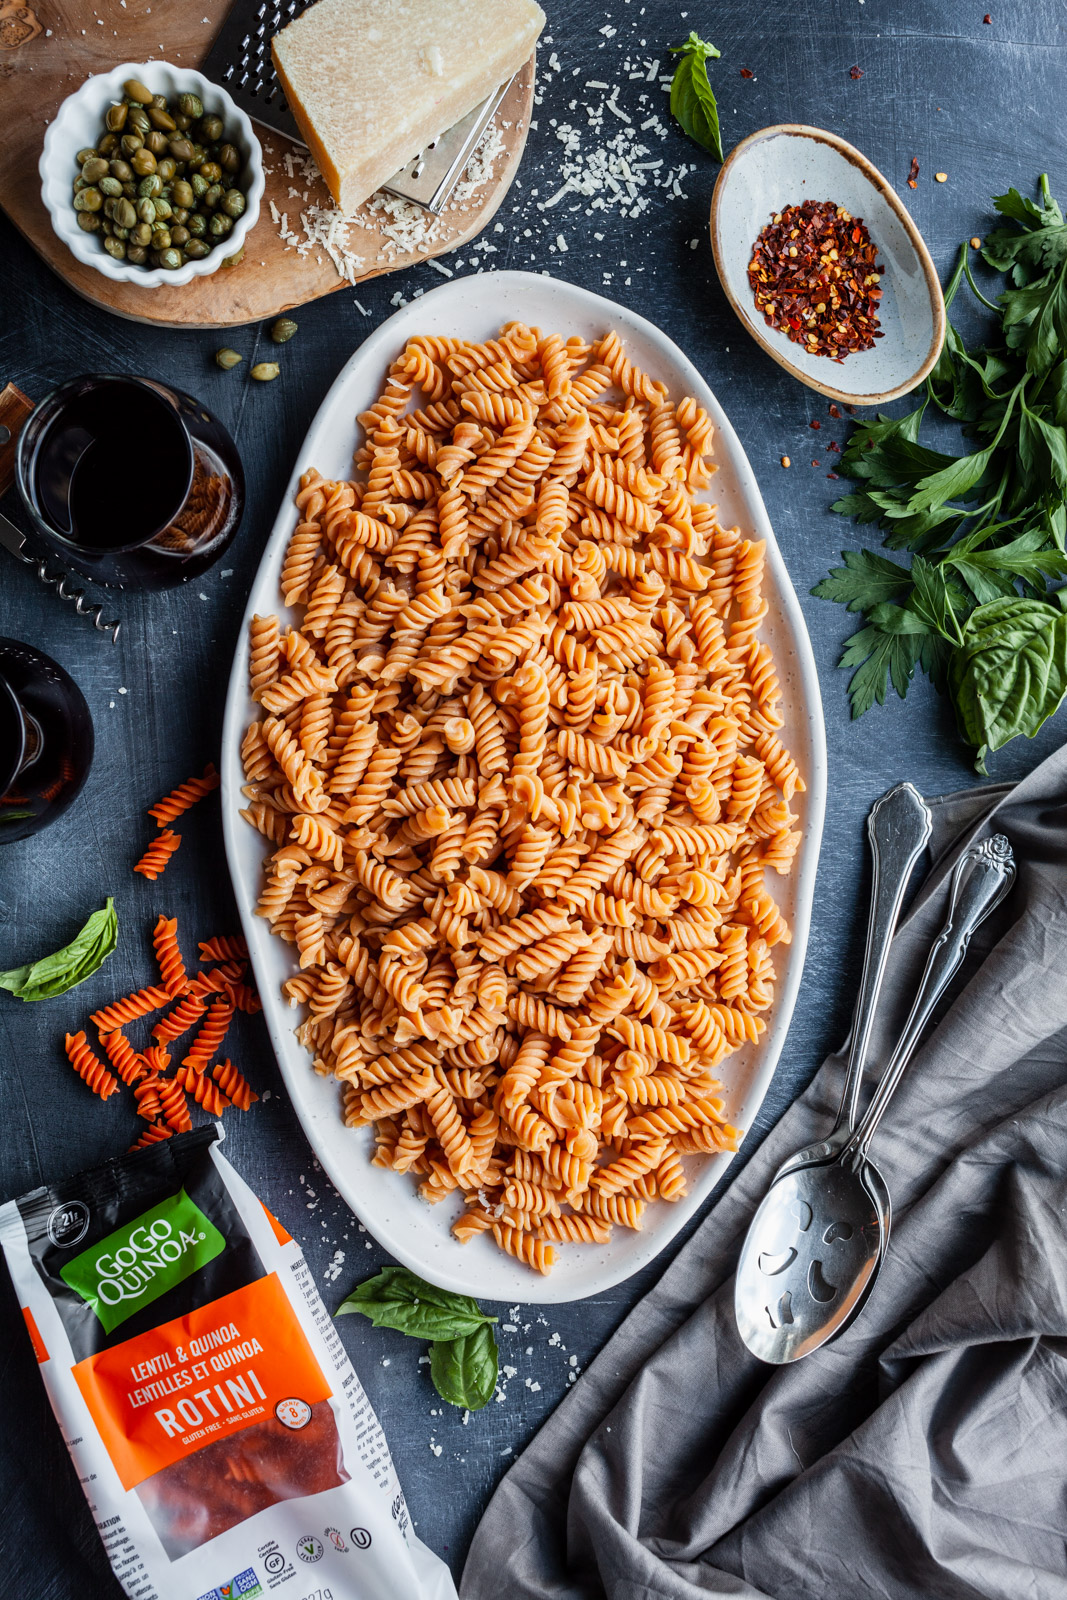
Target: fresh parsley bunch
[{"x": 978, "y": 608}]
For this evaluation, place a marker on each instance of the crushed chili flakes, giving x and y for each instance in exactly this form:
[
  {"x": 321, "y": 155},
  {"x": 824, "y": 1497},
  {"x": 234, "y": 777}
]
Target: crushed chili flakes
[
  {"x": 855, "y": 72},
  {"x": 814, "y": 276},
  {"x": 814, "y": 423},
  {"x": 913, "y": 175},
  {"x": 987, "y": 17},
  {"x": 834, "y": 410},
  {"x": 746, "y": 72}
]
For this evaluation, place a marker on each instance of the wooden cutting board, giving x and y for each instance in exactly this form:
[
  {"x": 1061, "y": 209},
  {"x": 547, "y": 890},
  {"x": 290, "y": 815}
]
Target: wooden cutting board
[{"x": 49, "y": 47}]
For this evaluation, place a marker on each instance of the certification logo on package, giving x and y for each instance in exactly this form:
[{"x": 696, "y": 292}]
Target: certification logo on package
[{"x": 242, "y": 1587}]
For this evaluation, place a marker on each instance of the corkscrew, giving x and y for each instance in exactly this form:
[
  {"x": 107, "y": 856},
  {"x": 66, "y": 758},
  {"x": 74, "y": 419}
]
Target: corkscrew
[{"x": 15, "y": 407}]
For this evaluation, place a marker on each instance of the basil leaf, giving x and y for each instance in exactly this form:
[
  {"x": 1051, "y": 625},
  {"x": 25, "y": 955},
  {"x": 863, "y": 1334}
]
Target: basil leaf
[
  {"x": 65, "y": 969},
  {"x": 692, "y": 101},
  {"x": 1011, "y": 673},
  {"x": 464, "y": 1370},
  {"x": 399, "y": 1299}
]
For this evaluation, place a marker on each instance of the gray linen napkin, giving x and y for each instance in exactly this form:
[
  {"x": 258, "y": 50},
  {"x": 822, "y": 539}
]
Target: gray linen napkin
[{"x": 924, "y": 1454}]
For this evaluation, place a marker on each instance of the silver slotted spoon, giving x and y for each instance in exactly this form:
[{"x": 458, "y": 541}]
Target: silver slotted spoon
[{"x": 815, "y": 1245}]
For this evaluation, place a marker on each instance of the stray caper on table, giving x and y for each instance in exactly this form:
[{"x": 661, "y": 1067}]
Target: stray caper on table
[{"x": 160, "y": 187}]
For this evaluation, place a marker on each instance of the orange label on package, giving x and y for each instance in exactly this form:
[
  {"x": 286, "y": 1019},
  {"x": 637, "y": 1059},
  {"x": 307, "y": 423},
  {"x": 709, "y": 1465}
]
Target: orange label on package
[
  {"x": 165, "y": 1394},
  {"x": 35, "y": 1337}
]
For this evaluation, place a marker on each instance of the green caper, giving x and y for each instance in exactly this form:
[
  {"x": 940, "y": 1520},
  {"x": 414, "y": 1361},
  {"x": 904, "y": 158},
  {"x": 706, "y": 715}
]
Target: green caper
[
  {"x": 210, "y": 128},
  {"x": 227, "y": 359},
  {"x": 115, "y": 248},
  {"x": 94, "y": 169},
  {"x": 170, "y": 260},
  {"x": 196, "y": 222},
  {"x": 89, "y": 199},
  {"x": 211, "y": 171},
  {"x": 283, "y": 330},
  {"x": 180, "y": 149},
  {"x": 167, "y": 168},
  {"x": 85, "y": 155},
  {"x": 142, "y": 234},
  {"x": 109, "y": 207},
  {"x": 220, "y": 225},
  {"x": 89, "y": 222},
  {"x": 79, "y": 184},
  {"x": 134, "y": 89},
  {"x": 183, "y": 193},
  {"x": 161, "y": 118},
  {"x": 156, "y": 142},
  {"x": 199, "y": 154},
  {"x": 146, "y": 210},
  {"x": 110, "y": 186},
  {"x": 180, "y": 214},
  {"x": 196, "y": 249},
  {"x": 143, "y": 162},
  {"x": 137, "y": 120},
  {"x": 131, "y": 143},
  {"x": 190, "y": 105},
  {"x": 125, "y": 214},
  {"x": 198, "y": 185},
  {"x": 159, "y": 101},
  {"x": 229, "y": 158},
  {"x": 236, "y": 259},
  {"x": 212, "y": 196},
  {"x": 130, "y": 191},
  {"x": 108, "y": 144},
  {"x": 264, "y": 371},
  {"x": 121, "y": 170},
  {"x": 161, "y": 239},
  {"x": 115, "y": 117},
  {"x": 233, "y": 203},
  {"x": 179, "y": 237},
  {"x": 182, "y": 121},
  {"x": 150, "y": 187},
  {"x": 164, "y": 209},
  {"x": 119, "y": 233},
  {"x": 137, "y": 254},
  {"x": 107, "y": 227}
]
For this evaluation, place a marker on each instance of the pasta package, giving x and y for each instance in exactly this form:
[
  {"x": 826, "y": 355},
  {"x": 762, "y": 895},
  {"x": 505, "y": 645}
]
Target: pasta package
[
  {"x": 518, "y": 760},
  {"x": 224, "y": 1442}
]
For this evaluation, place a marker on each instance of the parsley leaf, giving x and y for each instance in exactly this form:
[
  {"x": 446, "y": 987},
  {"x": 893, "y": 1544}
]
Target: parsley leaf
[{"x": 863, "y": 581}]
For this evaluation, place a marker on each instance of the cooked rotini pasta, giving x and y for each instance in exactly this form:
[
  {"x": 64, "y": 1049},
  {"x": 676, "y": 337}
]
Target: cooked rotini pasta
[{"x": 518, "y": 761}]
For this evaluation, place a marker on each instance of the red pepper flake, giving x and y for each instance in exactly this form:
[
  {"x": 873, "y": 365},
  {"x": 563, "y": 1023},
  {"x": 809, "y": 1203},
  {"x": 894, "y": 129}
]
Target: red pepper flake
[
  {"x": 832, "y": 475},
  {"x": 987, "y": 18},
  {"x": 814, "y": 275},
  {"x": 746, "y": 72},
  {"x": 814, "y": 423},
  {"x": 914, "y": 173},
  {"x": 815, "y": 463},
  {"x": 855, "y": 72},
  {"x": 834, "y": 411},
  {"x": 833, "y": 445}
]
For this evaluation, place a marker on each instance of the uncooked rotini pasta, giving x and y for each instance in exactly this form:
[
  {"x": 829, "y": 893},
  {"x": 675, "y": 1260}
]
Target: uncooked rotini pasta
[{"x": 517, "y": 757}]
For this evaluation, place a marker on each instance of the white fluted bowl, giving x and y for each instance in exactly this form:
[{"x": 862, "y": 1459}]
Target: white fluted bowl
[{"x": 79, "y": 123}]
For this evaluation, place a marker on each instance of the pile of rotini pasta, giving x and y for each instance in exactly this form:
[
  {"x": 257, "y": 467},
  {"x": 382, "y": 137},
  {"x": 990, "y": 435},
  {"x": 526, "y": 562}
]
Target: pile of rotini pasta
[{"x": 520, "y": 767}]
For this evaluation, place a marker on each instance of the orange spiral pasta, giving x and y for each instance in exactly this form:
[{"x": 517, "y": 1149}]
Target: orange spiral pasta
[
  {"x": 520, "y": 768},
  {"x": 130, "y": 1009},
  {"x": 211, "y": 1033},
  {"x": 159, "y": 852},
  {"x": 180, "y": 1020},
  {"x": 88, "y": 1066},
  {"x": 205, "y": 1092},
  {"x": 174, "y": 1105},
  {"x": 123, "y": 1057},
  {"x": 236, "y": 1088},
  {"x": 224, "y": 947},
  {"x": 184, "y": 796},
  {"x": 171, "y": 967}
]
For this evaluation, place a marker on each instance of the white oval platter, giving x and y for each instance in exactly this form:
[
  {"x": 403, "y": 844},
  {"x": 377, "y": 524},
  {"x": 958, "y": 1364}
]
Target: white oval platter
[{"x": 387, "y": 1203}]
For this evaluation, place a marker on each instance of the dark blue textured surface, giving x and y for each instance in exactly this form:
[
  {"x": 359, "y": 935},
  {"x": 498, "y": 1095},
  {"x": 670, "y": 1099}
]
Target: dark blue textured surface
[{"x": 979, "y": 102}]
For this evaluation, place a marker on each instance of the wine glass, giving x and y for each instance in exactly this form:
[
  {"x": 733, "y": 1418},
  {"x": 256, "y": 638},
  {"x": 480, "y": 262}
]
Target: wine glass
[{"x": 46, "y": 740}]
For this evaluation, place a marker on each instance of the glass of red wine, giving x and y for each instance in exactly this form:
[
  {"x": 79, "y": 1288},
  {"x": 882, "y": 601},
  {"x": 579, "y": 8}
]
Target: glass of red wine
[
  {"x": 130, "y": 482},
  {"x": 46, "y": 740}
]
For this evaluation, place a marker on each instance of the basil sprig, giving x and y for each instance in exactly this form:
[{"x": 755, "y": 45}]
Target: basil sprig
[
  {"x": 978, "y": 608},
  {"x": 463, "y": 1351},
  {"x": 65, "y": 969},
  {"x": 692, "y": 101}
]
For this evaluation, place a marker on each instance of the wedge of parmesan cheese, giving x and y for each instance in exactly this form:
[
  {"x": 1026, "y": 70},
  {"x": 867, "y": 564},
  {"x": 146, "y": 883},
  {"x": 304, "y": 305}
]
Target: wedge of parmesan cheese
[{"x": 372, "y": 82}]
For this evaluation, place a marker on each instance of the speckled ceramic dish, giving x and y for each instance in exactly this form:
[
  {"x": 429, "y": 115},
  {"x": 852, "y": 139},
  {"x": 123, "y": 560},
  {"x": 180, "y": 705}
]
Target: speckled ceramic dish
[{"x": 786, "y": 165}]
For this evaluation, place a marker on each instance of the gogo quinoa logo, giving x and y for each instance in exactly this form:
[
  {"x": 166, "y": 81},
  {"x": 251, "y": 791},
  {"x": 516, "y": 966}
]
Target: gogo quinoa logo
[{"x": 137, "y": 1263}]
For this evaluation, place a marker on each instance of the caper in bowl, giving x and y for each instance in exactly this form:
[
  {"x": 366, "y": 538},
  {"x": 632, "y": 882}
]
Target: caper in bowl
[{"x": 152, "y": 175}]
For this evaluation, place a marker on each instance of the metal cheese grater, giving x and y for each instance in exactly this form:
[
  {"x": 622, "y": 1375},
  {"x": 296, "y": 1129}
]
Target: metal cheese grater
[{"x": 240, "y": 59}]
